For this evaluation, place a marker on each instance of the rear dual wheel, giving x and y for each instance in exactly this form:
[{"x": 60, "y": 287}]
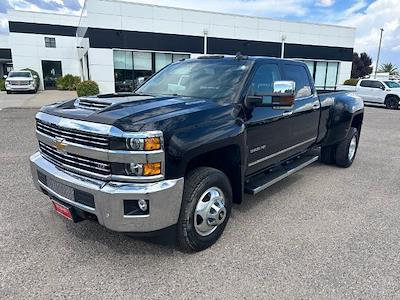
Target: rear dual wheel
[
  {"x": 344, "y": 153},
  {"x": 205, "y": 210}
]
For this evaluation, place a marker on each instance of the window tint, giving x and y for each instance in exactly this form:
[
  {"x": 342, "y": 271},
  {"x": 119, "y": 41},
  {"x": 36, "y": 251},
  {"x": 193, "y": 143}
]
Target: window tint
[
  {"x": 377, "y": 85},
  {"x": 263, "y": 79},
  {"x": 366, "y": 83},
  {"x": 299, "y": 75}
]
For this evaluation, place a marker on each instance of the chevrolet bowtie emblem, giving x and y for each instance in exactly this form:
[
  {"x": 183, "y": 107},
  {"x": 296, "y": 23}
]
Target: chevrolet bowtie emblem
[{"x": 59, "y": 143}]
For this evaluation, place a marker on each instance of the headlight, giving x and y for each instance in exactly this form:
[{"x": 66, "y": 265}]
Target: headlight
[
  {"x": 7, "y": 82},
  {"x": 147, "y": 169},
  {"x": 151, "y": 143}
]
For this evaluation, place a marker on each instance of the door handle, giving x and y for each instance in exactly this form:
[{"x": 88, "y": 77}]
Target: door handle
[
  {"x": 316, "y": 106},
  {"x": 287, "y": 113}
]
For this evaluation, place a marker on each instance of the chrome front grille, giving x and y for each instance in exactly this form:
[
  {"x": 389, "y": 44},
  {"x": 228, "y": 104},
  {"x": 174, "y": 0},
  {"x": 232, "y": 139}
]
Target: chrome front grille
[
  {"x": 75, "y": 162},
  {"x": 16, "y": 83},
  {"x": 91, "y": 104},
  {"x": 73, "y": 136}
]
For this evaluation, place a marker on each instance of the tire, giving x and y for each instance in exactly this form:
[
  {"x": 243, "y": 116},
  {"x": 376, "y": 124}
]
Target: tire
[
  {"x": 8, "y": 92},
  {"x": 392, "y": 102},
  {"x": 328, "y": 155},
  {"x": 347, "y": 149},
  {"x": 204, "y": 189}
]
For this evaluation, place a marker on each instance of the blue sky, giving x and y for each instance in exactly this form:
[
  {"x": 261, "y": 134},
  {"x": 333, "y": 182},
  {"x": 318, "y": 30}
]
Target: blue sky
[{"x": 366, "y": 15}]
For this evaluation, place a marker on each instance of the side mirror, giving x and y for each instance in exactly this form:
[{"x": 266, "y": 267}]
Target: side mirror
[
  {"x": 35, "y": 76},
  {"x": 5, "y": 76},
  {"x": 283, "y": 94}
]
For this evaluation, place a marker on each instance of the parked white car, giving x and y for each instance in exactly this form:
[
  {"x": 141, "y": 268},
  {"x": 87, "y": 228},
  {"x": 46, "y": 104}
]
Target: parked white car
[
  {"x": 385, "y": 92},
  {"x": 21, "y": 81}
]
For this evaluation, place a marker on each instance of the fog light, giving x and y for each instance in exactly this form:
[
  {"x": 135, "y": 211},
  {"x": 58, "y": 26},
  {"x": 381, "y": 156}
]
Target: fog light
[
  {"x": 134, "y": 169},
  {"x": 142, "y": 204}
]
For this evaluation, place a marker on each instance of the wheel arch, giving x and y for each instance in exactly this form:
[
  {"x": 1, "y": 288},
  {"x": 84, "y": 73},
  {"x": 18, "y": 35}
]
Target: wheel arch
[
  {"x": 228, "y": 160},
  {"x": 391, "y": 95}
]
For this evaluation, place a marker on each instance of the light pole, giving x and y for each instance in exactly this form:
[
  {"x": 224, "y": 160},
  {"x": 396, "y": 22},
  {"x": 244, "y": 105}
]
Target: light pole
[
  {"x": 283, "y": 38},
  {"x": 205, "y": 32},
  {"x": 379, "y": 52}
]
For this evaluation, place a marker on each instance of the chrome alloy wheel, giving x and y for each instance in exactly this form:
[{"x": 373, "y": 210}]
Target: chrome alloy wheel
[
  {"x": 352, "y": 148},
  {"x": 210, "y": 211}
]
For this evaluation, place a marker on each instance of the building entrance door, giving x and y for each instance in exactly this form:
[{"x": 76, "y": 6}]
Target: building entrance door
[{"x": 51, "y": 72}]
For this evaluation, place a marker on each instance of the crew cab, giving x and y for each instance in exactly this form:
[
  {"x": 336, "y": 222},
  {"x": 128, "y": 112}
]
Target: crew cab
[
  {"x": 189, "y": 142},
  {"x": 21, "y": 81},
  {"x": 375, "y": 91}
]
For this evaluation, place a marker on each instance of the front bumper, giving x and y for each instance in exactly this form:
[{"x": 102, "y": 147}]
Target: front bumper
[
  {"x": 20, "y": 88},
  {"x": 164, "y": 198}
]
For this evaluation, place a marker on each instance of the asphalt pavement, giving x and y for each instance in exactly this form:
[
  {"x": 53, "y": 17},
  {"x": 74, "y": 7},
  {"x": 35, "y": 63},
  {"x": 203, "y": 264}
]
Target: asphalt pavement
[{"x": 323, "y": 233}]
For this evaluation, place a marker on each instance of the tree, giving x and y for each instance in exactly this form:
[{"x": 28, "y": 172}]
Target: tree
[
  {"x": 361, "y": 65},
  {"x": 389, "y": 68}
]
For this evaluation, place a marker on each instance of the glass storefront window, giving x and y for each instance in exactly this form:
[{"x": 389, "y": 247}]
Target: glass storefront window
[
  {"x": 162, "y": 59},
  {"x": 320, "y": 73},
  {"x": 142, "y": 61},
  {"x": 132, "y": 68},
  {"x": 331, "y": 75},
  {"x": 310, "y": 66}
]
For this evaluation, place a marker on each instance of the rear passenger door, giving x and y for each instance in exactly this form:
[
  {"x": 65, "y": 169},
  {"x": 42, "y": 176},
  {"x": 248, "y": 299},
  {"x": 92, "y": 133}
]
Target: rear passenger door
[{"x": 304, "y": 120}]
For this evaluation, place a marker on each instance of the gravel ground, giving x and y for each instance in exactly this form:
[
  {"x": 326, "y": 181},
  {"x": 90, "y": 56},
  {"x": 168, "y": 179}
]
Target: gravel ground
[{"x": 324, "y": 232}]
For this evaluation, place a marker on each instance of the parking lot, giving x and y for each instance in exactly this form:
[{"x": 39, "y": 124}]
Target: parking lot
[{"x": 325, "y": 232}]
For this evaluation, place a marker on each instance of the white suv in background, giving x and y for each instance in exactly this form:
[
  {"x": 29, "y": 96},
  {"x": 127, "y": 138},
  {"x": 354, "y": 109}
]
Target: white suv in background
[
  {"x": 21, "y": 81},
  {"x": 385, "y": 92}
]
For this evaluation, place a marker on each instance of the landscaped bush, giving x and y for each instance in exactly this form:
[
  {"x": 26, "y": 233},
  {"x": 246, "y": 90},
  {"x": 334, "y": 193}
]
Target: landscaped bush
[
  {"x": 37, "y": 79},
  {"x": 2, "y": 85},
  {"x": 351, "y": 81},
  {"x": 68, "y": 82},
  {"x": 87, "y": 88}
]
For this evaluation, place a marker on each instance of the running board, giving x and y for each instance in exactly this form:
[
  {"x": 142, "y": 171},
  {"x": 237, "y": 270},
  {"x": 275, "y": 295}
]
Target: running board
[{"x": 262, "y": 181}]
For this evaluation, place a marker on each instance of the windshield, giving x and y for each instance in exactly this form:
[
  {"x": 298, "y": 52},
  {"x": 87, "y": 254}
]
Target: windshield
[
  {"x": 216, "y": 79},
  {"x": 392, "y": 84},
  {"x": 19, "y": 74}
]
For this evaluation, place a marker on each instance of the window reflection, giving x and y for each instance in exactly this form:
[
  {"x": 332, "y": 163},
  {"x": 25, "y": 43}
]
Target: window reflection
[{"x": 132, "y": 68}]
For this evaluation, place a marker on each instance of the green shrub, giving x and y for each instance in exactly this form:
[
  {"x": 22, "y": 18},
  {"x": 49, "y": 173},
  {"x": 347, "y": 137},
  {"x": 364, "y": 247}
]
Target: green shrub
[
  {"x": 37, "y": 79},
  {"x": 2, "y": 85},
  {"x": 87, "y": 88},
  {"x": 68, "y": 82},
  {"x": 351, "y": 81}
]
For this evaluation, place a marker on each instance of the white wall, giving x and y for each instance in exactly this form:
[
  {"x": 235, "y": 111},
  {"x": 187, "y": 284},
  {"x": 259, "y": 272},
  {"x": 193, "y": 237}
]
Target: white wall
[
  {"x": 151, "y": 18},
  {"x": 101, "y": 66},
  {"x": 344, "y": 71},
  {"x": 28, "y": 50}
]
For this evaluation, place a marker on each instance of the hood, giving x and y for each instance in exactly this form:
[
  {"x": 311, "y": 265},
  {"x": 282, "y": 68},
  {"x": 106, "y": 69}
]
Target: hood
[{"x": 135, "y": 113}]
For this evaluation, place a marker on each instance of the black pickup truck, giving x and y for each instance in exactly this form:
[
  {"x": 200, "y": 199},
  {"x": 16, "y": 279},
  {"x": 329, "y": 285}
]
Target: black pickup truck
[{"x": 188, "y": 143}]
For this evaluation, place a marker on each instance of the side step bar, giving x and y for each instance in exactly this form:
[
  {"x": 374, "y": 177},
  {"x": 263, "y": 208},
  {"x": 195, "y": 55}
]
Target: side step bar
[{"x": 262, "y": 181}]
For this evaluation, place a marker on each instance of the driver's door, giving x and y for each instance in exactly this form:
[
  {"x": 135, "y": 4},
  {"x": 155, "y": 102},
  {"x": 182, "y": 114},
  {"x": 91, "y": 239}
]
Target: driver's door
[{"x": 268, "y": 128}]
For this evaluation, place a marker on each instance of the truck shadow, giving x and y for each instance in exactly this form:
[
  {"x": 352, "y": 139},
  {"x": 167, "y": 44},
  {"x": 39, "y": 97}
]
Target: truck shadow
[{"x": 164, "y": 243}]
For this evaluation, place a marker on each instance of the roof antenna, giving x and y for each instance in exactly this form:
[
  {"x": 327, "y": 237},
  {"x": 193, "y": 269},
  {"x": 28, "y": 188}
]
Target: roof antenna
[{"x": 240, "y": 56}]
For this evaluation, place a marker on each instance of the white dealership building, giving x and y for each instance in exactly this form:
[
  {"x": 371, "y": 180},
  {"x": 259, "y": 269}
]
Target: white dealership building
[{"x": 118, "y": 43}]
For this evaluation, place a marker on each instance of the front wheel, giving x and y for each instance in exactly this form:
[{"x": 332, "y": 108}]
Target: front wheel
[
  {"x": 347, "y": 149},
  {"x": 205, "y": 210},
  {"x": 392, "y": 102}
]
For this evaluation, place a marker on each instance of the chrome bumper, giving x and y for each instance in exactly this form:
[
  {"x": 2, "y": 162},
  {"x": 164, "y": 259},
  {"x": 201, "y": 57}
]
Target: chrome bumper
[
  {"x": 20, "y": 88},
  {"x": 164, "y": 198}
]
